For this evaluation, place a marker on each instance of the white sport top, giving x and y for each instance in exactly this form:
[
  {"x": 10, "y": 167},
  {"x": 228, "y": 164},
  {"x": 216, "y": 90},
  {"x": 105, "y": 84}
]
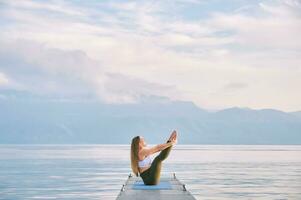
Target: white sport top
[{"x": 147, "y": 161}]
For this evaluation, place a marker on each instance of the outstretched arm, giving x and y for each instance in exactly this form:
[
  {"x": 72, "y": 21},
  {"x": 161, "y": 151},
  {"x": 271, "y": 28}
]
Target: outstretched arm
[{"x": 155, "y": 149}]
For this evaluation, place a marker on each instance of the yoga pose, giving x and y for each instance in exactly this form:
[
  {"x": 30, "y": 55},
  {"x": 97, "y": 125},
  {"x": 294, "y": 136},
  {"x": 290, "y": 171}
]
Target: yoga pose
[{"x": 142, "y": 163}]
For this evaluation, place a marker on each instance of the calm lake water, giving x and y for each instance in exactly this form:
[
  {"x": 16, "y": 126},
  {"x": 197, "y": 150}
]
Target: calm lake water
[{"x": 98, "y": 171}]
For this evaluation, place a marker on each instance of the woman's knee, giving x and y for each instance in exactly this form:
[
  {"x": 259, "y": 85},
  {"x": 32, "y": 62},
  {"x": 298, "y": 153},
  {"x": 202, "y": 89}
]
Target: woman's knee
[
  {"x": 164, "y": 154},
  {"x": 158, "y": 159}
]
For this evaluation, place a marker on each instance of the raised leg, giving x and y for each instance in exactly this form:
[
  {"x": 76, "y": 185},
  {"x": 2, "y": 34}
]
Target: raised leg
[
  {"x": 155, "y": 169},
  {"x": 164, "y": 153}
]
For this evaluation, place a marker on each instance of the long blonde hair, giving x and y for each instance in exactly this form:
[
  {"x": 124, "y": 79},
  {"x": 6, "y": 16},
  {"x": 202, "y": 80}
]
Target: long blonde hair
[{"x": 134, "y": 154}]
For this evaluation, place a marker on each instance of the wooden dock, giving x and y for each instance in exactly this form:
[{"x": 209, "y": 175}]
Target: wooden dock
[{"x": 171, "y": 188}]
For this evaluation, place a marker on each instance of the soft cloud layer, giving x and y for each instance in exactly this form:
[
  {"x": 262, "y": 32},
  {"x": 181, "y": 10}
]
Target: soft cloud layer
[
  {"x": 61, "y": 73},
  {"x": 3, "y": 79},
  {"x": 214, "y": 54}
]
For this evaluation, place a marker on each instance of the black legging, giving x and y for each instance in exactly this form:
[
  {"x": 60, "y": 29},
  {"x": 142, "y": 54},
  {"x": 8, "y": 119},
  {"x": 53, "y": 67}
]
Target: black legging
[{"x": 151, "y": 176}]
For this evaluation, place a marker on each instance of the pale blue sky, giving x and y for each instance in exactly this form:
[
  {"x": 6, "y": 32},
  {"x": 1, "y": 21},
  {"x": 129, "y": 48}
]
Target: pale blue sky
[{"x": 217, "y": 54}]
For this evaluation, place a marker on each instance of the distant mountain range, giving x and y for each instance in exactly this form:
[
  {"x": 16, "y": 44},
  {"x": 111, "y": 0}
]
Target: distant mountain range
[{"x": 26, "y": 119}]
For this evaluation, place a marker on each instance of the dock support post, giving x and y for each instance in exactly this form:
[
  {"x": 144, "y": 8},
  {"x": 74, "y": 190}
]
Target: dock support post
[{"x": 122, "y": 188}]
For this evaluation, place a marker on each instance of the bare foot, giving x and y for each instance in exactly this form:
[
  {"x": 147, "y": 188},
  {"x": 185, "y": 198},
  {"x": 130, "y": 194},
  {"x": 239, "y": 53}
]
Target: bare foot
[
  {"x": 175, "y": 139},
  {"x": 173, "y": 134}
]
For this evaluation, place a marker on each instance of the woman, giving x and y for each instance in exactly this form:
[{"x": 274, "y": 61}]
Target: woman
[{"x": 141, "y": 162}]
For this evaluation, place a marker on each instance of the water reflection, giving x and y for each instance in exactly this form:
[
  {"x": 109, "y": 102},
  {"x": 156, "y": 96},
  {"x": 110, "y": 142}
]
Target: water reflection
[{"x": 98, "y": 171}]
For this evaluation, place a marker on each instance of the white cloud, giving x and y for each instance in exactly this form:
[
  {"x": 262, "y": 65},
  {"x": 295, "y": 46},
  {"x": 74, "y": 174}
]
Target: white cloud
[
  {"x": 73, "y": 73},
  {"x": 157, "y": 53},
  {"x": 3, "y": 79},
  {"x": 59, "y": 7},
  {"x": 236, "y": 85},
  {"x": 278, "y": 26}
]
